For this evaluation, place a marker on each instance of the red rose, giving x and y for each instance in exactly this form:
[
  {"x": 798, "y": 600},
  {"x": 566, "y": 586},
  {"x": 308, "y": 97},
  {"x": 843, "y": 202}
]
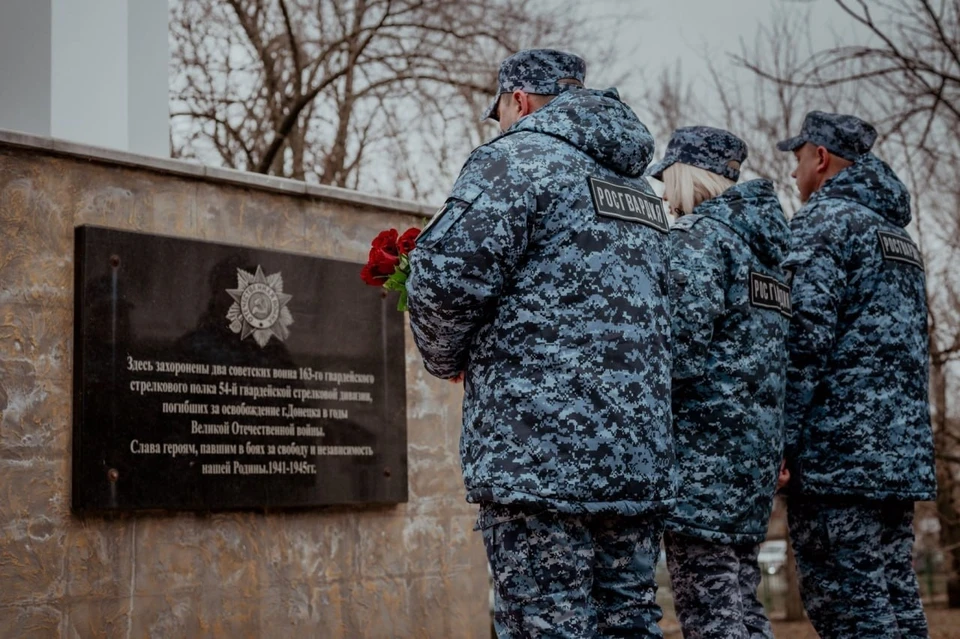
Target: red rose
[
  {"x": 383, "y": 262},
  {"x": 408, "y": 240},
  {"x": 386, "y": 241},
  {"x": 383, "y": 268},
  {"x": 369, "y": 277}
]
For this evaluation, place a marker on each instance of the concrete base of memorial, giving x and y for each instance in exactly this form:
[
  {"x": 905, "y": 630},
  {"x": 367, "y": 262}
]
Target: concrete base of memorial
[{"x": 414, "y": 570}]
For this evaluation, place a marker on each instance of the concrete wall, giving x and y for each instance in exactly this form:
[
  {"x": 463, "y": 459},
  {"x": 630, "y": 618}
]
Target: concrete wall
[{"x": 417, "y": 570}]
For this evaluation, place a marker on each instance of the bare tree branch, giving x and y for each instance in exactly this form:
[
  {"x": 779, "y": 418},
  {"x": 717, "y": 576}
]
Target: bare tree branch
[{"x": 323, "y": 89}]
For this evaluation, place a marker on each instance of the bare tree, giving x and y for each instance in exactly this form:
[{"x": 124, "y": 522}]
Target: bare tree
[
  {"x": 759, "y": 112},
  {"x": 670, "y": 102},
  {"x": 912, "y": 67},
  {"x": 378, "y": 93}
]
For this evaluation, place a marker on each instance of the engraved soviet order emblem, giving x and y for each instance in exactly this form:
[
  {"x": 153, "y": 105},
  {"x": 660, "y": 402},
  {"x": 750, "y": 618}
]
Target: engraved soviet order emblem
[{"x": 259, "y": 307}]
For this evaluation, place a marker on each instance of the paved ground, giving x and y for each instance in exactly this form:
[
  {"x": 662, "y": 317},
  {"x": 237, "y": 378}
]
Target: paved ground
[{"x": 944, "y": 624}]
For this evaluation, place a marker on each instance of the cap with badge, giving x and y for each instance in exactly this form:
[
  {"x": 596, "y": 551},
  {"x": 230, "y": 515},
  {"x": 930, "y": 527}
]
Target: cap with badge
[
  {"x": 846, "y": 136},
  {"x": 705, "y": 147},
  {"x": 537, "y": 71}
]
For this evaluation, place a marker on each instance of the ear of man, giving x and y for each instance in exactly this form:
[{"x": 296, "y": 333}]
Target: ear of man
[
  {"x": 526, "y": 103},
  {"x": 823, "y": 159},
  {"x": 524, "y": 100},
  {"x": 830, "y": 163}
]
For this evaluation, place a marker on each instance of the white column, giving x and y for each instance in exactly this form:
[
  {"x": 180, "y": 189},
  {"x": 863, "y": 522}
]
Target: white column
[
  {"x": 148, "y": 72},
  {"x": 89, "y": 71},
  {"x": 89, "y": 101},
  {"x": 25, "y": 66}
]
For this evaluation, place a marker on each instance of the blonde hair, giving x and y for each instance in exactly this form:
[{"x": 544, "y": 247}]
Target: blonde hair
[{"x": 686, "y": 186}]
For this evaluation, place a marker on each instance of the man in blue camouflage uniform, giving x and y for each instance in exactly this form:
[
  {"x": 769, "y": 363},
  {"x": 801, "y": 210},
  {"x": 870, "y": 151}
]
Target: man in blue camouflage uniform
[
  {"x": 859, "y": 445},
  {"x": 543, "y": 280},
  {"x": 731, "y": 310}
]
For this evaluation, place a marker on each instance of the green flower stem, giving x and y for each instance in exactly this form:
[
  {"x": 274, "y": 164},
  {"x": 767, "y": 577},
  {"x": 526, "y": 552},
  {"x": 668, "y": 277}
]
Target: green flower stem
[{"x": 398, "y": 282}]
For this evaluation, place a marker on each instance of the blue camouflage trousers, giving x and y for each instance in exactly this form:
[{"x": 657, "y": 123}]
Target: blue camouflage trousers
[
  {"x": 855, "y": 562},
  {"x": 715, "y": 589},
  {"x": 571, "y": 576}
]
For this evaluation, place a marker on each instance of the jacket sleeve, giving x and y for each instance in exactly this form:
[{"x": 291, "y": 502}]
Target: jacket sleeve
[
  {"x": 697, "y": 293},
  {"x": 818, "y": 271},
  {"x": 463, "y": 258}
]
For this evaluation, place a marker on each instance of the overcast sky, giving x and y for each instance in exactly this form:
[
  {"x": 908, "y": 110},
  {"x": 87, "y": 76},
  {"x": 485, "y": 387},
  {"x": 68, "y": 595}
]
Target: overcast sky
[{"x": 653, "y": 34}]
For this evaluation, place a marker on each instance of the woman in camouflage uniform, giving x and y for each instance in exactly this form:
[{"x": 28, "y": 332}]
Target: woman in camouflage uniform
[{"x": 730, "y": 309}]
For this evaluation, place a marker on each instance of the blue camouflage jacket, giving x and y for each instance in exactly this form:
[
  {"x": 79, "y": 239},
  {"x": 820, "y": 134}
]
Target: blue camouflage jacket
[
  {"x": 731, "y": 309},
  {"x": 857, "y": 412},
  {"x": 544, "y": 278}
]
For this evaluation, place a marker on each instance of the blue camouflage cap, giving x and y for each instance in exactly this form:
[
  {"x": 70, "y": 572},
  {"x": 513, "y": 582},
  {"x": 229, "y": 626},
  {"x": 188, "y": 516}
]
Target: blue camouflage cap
[
  {"x": 844, "y": 135},
  {"x": 537, "y": 71},
  {"x": 705, "y": 147}
]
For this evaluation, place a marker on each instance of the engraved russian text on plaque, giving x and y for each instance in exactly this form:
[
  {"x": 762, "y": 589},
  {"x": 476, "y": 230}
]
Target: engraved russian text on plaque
[{"x": 211, "y": 377}]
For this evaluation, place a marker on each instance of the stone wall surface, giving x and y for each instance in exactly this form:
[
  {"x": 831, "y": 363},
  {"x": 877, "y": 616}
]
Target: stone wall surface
[{"x": 415, "y": 570}]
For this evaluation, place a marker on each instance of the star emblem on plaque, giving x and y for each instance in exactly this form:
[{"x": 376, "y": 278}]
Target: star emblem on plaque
[{"x": 259, "y": 307}]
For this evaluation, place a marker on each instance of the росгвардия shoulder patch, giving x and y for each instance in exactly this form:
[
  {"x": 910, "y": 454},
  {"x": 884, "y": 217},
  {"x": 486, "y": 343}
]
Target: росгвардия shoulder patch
[
  {"x": 628, "y": 204},
  {"x": 899, "y": 249},
  {"x": 767, "y": 292}
]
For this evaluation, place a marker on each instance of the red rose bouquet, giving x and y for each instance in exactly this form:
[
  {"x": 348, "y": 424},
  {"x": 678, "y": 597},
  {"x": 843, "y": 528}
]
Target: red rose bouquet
[{"x": 388, "y": 265}]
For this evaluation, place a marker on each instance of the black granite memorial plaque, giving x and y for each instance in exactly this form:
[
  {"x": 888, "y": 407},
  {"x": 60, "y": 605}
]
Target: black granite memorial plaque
[{"x": 210, "y": 377}]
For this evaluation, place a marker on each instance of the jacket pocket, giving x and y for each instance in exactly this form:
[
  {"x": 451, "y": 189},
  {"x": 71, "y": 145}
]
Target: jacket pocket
[
  {"x": 536, "y": 554},
  {"x": 448, "y": 216}
]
